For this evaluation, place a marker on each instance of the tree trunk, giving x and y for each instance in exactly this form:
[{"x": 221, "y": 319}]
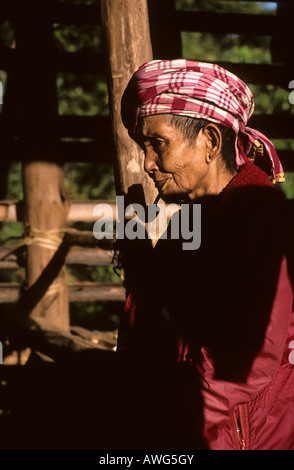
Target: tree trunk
[{"x": 125, "y": 27}]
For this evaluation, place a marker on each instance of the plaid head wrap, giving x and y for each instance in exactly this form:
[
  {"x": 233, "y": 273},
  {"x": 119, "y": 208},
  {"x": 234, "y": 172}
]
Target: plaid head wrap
[{"x": 203, "y": 91}]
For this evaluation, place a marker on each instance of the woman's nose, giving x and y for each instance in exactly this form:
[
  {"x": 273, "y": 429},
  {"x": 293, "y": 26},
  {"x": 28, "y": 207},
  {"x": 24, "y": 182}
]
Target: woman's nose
[{"x": 150, "y": 163}]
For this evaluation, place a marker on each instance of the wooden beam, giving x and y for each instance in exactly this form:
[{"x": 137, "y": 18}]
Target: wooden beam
[
  {"x": 81, "y": 131},
  {"x": 92, "y": 127},
  {"x": 45, "y": 213},
  {"x": 58, "y": 344},
  {"x": 92, "y": 63},
  {"x": 78, "y": 211},
  {"x": 62, "y": 61},
  {"x": 275, "y": 126},
  {"x": 225, "y": 23},
  {"x": 78, "y": 15},
  {"x": 261, "y": 74},
  {"x": 89, "y": 256},
  {"x": 77, "y": 255},
  {"x": 127, "y": 44},
  {"x": 78, "y": 292},
  {"x": 96, "y": 291},
  {"x": 71, "y": 150}
]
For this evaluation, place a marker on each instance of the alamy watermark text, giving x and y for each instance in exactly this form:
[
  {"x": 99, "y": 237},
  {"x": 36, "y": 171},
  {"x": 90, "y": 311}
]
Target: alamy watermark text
[{"x": 150, "y": 222}]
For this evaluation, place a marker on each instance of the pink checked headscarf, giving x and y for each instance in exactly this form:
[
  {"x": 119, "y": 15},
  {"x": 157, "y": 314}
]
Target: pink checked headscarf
[{"x": 203, "y": 91}]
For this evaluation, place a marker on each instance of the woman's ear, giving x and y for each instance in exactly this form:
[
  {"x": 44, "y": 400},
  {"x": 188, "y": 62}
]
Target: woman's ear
[{"x": 213, "y": 141}]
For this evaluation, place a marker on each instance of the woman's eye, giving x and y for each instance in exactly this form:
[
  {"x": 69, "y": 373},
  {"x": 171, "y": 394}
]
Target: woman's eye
[{"x": 157, "y": 144}]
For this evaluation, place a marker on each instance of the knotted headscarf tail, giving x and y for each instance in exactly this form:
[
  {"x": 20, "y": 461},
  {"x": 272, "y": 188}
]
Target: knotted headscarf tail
[{"x": 199, "y": 90}]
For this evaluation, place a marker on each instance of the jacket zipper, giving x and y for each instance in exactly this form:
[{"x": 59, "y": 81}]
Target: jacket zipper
[{"x": 239, "y": 418}]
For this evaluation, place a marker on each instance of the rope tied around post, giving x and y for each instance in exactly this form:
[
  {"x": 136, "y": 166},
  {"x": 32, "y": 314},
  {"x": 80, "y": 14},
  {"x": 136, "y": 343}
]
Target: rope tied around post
[{"x": 44, "y": 238}]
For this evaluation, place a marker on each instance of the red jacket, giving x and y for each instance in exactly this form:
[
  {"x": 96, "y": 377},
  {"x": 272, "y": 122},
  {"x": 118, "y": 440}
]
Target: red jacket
[{"x": 242, "y": 353}]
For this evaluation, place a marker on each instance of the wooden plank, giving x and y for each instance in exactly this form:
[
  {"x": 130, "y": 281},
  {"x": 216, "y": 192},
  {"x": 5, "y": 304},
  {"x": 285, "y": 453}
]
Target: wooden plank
[
  {"x": 90, "y": 256},
  {"x": 67, "y": 150},
  {"x": 92, "y": 127},
  {"x": 86, "y": 129},
  {"x": 79, "y": 152},
  {"x": 57, "y": 12},
  {"x": 9, "y": 211},
  {"x": 262, "y": 1},
  {"x": 77, "y": 255},
  {"x": 79, "y": 211},
  {"x": 78, "y": 292},
  {"x": 70, "y": 14},
  {"x": 83, "y": 210},
  {"x": 66, "y": 62},
  {"x": 274, "y": 126},
  {"x": 58, "y": 344},
  {"x": 93, "y": 63},
  {"x": 224, "y": 23},
  {"x": 9, "y": 292},
  {"x": 79, "y": 62},
  {"x": 84, "y": 126},
  {"x": 261, "y": 74},
  {"x": 96, "y": 291}
]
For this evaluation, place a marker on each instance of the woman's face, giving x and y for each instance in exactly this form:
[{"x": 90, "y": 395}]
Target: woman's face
[{"x": 168, "y": 154}]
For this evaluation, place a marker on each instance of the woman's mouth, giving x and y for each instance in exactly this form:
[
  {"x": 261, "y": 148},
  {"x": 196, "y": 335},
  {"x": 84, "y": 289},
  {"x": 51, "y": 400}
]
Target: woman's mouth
[{"x": 160, "y": 183}]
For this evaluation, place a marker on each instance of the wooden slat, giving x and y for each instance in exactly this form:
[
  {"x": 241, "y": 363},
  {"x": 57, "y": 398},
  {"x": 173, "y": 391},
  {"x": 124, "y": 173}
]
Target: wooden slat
[
  {"x": 98, "y": 127},
  {"x": 79, "y": 211},
  {"x": 9, "y": 292},
  {"x": 57, "y": 13},
  {"x": 92, "y": 291},
  {"x": 275, "y": 126},
  {"x": 83, "y": 211},
  {"x": 98, "y": 151},
  {"x": 262, "y": 1},
  {"x": 79, "y": 62},
  {"x": 67, "y": 62},
  {"x": 84, "y": 126},
  {"x": 77, "y": 255},
  {"x": 92, "y": 127},
  {"x": 224, "y": 23},
  {"x": 93, "y": 63},
  {"x": 261, "y": 74},
  {"x": 90, "y": 152},
  {"x": 78, "y": 292},
  {"x": 90, "y": 256}
]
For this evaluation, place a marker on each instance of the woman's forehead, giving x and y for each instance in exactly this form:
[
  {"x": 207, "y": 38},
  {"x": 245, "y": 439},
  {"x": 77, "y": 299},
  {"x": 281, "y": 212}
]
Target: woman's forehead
[{"x": 155, "y": 125}]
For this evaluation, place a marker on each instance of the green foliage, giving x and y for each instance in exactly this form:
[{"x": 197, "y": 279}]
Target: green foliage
[
  {"x": 6, "y": 34},
  {"x": 225, "y": 47},
  {"x": 89, "y": 181},
  {"x": 288, "y": 187},
  {"x": 82, "y": 95}
]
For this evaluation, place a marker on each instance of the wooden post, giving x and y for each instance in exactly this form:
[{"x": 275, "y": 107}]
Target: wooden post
[
  {"x": 45, "y": 204},
  {"x": 45, "y": 215},
  {"x": 127, "y": 43}
]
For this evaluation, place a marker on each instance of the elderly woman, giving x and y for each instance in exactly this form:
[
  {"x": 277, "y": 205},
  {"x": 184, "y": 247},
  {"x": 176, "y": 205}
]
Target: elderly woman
[{"x": 223, "y": 312}]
